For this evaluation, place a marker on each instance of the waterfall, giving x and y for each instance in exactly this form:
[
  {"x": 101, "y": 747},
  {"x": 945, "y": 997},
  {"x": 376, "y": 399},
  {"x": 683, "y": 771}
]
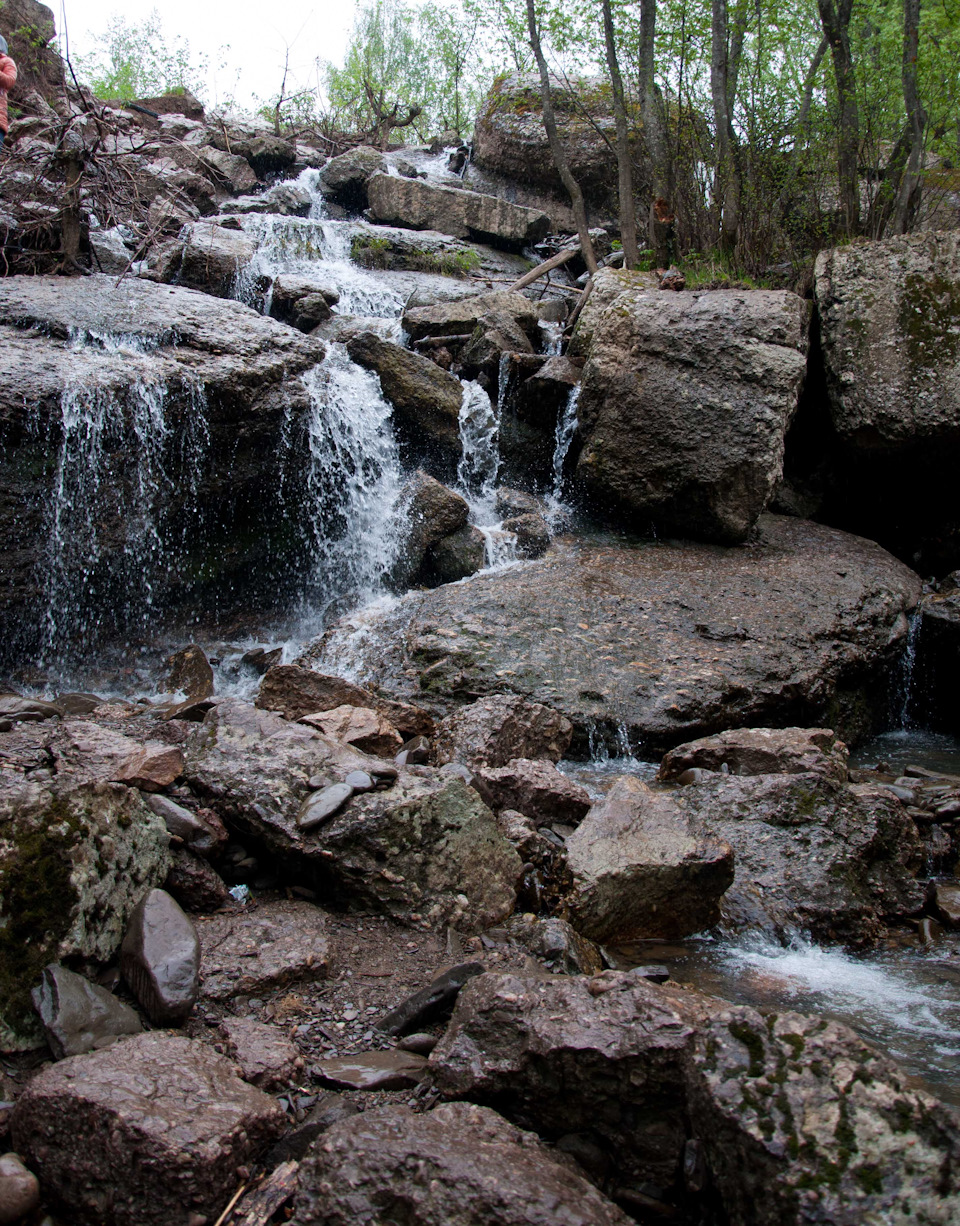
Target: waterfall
[
  {"x": 478, "y": 469},
  {"x": 563, "y": 439},
  {"x": 908, "y": 664}
]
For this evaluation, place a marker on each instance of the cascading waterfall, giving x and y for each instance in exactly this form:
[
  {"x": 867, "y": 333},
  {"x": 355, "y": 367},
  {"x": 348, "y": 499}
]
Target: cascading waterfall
[
  {"x": 908, "y": 664},
  {"x": 563, "y": 440},
  {"x": 478, "y": 470}
]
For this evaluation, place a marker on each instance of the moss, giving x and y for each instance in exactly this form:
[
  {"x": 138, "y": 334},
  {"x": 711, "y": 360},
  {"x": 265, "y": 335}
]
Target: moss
[
  {"x": 35, "y": 894},
  {"x": 370, "y": 251},
  {"x": 869, "y": 1178},
  {"x": 929, "y": 321},
  {"x": 753, "y": 1042},
  {"x": 796, "y": 1042}
]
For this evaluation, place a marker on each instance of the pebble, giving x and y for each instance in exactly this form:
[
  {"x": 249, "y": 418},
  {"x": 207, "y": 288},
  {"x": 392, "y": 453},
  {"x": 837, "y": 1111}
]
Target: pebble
[
  {"x": 19, "y": 1189},
  {"x": 360, "y": 781},
  {"x": 322, "y": 805},
  {"x": 419, "y": 1044}
]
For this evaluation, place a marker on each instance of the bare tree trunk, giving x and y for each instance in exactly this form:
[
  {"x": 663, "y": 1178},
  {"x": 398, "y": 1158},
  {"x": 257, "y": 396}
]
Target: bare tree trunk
[
  {"x": 655, "y": 135},
  {"x": 628, "y": 216},
  {"x": 835, "y": 19},
  {"x": 556, "y": 149},
  {"x": 910, "y": 186},
  {"x": 809, "y": 81},
  {"x": 724, "y": 72}
]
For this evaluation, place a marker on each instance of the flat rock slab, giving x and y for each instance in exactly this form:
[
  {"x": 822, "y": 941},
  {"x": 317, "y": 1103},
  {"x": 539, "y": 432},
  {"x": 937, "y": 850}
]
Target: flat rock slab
[
  {"x": 667, "y": 640},
  {"x": 266, "y": 1056},
  {"x": 142, "y": 1134},
  {"x": 277, "y": 944},
  {"x": 374, "y": 1070}
]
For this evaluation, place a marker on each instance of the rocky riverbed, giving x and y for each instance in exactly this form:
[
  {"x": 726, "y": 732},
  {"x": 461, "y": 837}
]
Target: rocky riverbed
[{"x": 425, "y": 770}]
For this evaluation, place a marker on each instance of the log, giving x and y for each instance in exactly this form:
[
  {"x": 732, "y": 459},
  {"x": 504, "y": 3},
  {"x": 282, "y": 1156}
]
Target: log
[
  {"x": 541, "y": 270},
  {"x": 262, "y": 1203},
  {"x": 584, "y": 297},
  {"x": 458, "y": 337}
]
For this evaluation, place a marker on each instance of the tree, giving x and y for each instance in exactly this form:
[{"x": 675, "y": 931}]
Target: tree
[
  {"x": 628, "y": 217},
  {"x": 140, "y": 61},
  {"x": 835, "y": 17}
]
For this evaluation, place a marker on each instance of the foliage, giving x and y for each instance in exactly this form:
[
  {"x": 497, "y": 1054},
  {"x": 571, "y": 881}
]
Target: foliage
[
  {"x": 372, "y": 251},
  {"x": 140, "y": 61}
]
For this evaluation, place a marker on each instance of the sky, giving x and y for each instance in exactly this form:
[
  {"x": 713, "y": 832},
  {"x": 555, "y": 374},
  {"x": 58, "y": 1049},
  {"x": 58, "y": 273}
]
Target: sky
[{"x": 254, "y": 36}]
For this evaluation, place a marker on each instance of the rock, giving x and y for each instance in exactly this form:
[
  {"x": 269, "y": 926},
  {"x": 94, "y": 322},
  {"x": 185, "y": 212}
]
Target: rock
[
  {"x": 494, "y": 731},
  {"x": 641, "y": 1072},
  {"x": 19, "y": 1189},
  {"x": 431, "y": 512},
  {"x": 266, "y": 1057},
  {"x": 497, "y": 334},
  {"x": 532, "y": 532},
  {"x": 554, "y": 940},
  {"x": 74, "y": 862},
  {"x": 151, "y": 770},
  {"x": 361, "y": 727},
  {"x": 429, "y": 1003},
  {"x": 144, "y": 1133},
  {"x": 302, "y": 301},
  {"x": 418, "y": 205},
  {"x": 199, "y": 833},
  {"x": 194, "y": 885},
  {"x": 274, "y": 946},
  {"x": 160, "y": 959},
  {"x": 811, "y": 854},
  {"x": 946, "y": 903},
  {"x": 762, "y": 751},
  {"x": 296, "y": 691},
  {"x": 538, "y": 790},
  {"x": 15, "y": 710},
  {"x": 514, "y": 504},
  {"x": 110, "y": 251},
  {"x": 419, "y": 1044},
  {"x": 77, "y": 704},
  {"x": 322, "y": 805},
  {"x": 418, "y": 751},
  {"x": 346, "y": 178},
  {"x": 608, "y": 285},
  {"x": 659, "y": 643},
  {"x": 426, "y": 400},
  {"x": 229, "y": 168},
  {"x": 456, "y": 556},
  {"x": 208, "y": 257},
  {"x": 78, "y": 1015},
  {"x": 444, "y": 259},
  {"x": 639, "y": 870},
  {"x": 267, "y": 154},
  {"x": 189, "y": 671},
  {"x": 685, "y": 404},
  {"x": 330, "y": 1109},
  {"x": 481, "y": 1169},
  {"x": 261, "y": 660},
  {"x": 467, "y": 314},
  {"x": 373, "y": 1070}
]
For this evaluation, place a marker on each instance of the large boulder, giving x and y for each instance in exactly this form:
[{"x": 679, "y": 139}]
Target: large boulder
[
  {"x": 608, "y": 285},
  {"x": 661, "y": 642},
  {"x": 761, "y": 751},
  {"x": 481, "y": 1170},
  {"x": 685, "y": 404},
  {"x": 418, "y": 205},
  {"x": 150, "y": 1131},
  {"x": 432, "y": 512},
  {"x": 425, "y": 846},
  {"x": 345, "y": 178},
  {"x": 536, "y": 789},
  {"x": 191, "y": 393},
  {"x": 781, "y": 1118},
  {"x": 493, "y": 731},
  {"x": 230, "y": 169},
  {"x": 208, "y": 257},
  {"x": 75, "y": 860},
  {"x": 465, "y": 315},
  {"x": 294, "y": 692},
  {"x": 638, "y": 869},
  {"x": 426, "y": 400}
]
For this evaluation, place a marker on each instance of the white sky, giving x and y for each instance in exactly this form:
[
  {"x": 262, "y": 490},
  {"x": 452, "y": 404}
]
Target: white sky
[{"x": 253, "y": 36}]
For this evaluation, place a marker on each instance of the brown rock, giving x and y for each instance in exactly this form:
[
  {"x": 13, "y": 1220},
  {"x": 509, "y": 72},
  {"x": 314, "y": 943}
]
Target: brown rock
[
  {"x": 195, "y": 884},
  {"x": 495, "y": 730},
  {"x": 639, "y": 870},
  {"x": 190, "y": 671},
  {"x": 19, "y": 1189},
  {"x": 432, "y": 512},
  {"x": 273, "y": 946},
  {"x": 554, "y": 940},
  {"x": 160, "y": 958},
  {"x": 537, "y": 789},
  {"x": 480, "y": 1170},
  {"x": 295, "y": 691},
  {"x": 946, "y": 903},
  {"x": 78, "y": 1015},
  {"x": 145, "y": 1133},
  {"x": 762, "y": 751},
  {"x": 373, "y": 1070},
  {"x": 361, "y": 727},
  {"x": 151, "y": 770},
  {"x": 266, "y": 1056}
]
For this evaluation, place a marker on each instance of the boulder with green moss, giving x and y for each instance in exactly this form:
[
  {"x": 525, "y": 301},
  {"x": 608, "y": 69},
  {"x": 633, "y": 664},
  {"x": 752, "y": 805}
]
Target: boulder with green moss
[{"x": 74, "y": 863}]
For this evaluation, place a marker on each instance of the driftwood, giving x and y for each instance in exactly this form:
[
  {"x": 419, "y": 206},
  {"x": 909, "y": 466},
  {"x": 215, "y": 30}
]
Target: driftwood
[
  {"x": 584, "y": 297},
  {"x": 263, "y": 1202},
  {"x": 541, "y": 270},
  {"x": 433, "y": 341}
]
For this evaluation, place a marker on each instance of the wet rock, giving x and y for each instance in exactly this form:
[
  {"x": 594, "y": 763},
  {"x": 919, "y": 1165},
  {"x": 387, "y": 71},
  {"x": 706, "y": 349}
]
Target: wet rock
[
  {"x": 150, "y": 770},
  {"x": 266, "y": 1057},
  {"x": 419, "y": 1044},
  {"x": 322, "y": 805},
  {"x": 532, "y": 533},
  {"x": 494, "y": 731},
  {"x": 426, "y": 400},
  {"x": 430, "y": 1002},
  {"x": 481, "y": 1170},
  {"x": 418, "y": 750},
  {"x": 278, "y": 944},
  {"x": 497, "y": 334},
  {"x": 208, "y": 257},
  {"x": 345, "y": 178},
  {"x": 74, "y": 863},
  {"x": 144, "y": 1133},
  {"x": 296, "y": 691},
  {"x": 661, "y": 643},
  {"x": 640, "y": 870},
  {"x": 373, "y": 1070},
  {"x": 431, "y": 512},
  {"x": 512, "y": 504},
  {"x": 230, "y": 169},
  {"x": 267, "y": 154},
  {"x": 418, "y": 205},
  {"x": 761, "y": 751},
  {"x": 77, "y": 704},
  {"x": 202, "y": 834},
  {"x": 456, "y": 556},
  {"x": 302, "y": 301},
  {"x": 556, "y": 941},
  {"x": 543, "y": 395},
  {"x": 723, "y": 368},
  {"x": 608, "y": 285},
  {"x": 194, "y": 884},
  {"x": 537, "y": 789},
  {"x": 160, "y": 959},
  {"x": 15, "y": 710},
  {"x": 465, "y": 315},
  {"x": 360, "y": 781},
  {"x": 330, "y": 1109},
  {"x": 946, "y": 903},
  {"x": 19, "y": 1189},
  {"x": 261, "y": 660},
  {"x": 361, "y": 727},
  {"x": 189, "y": 670},
  {"x": 78, "y": 1015}
]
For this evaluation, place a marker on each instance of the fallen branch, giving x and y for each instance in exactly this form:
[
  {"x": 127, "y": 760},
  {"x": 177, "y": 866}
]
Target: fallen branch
[
  {"x": 263, "y": 1202},
  {"x": 541, "y": 270},
  {"x": 577, "y": 310},
  {"x": 458, "y": 337}
]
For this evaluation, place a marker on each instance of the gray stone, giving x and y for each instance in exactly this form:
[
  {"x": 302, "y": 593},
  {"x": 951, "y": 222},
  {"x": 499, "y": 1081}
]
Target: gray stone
[
  {"x": 78, "y": 1015},
  {"x": 418, "y": 205},
  {"x": 640, "y": 870},
  {"x": 430, "y": 512},
  {"x": 467, "y": 314},
  {"x": 496, "y": 730},
  {"x": 208, "y": 257},
  {"x": 532, "y": 532},
  {"x": 160, "y": 958},
  {"x": 345, "y": 178},
  {"x": 456, "y": 556},
  {"x": 322, "y": 805},
  {"x": 373, "y": 1070},
  {"x": 274, "y": 946},
  {"x": 537, "y": 789},
  {"x": 761, "y": 751},
  {"x": 229, "y": 168},
  {"x": 145, "y": 1133},
  {"x": 199, "y": 834},
  {"x": 110, "y": 251},
  {"x": 685, "y": 404}
]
